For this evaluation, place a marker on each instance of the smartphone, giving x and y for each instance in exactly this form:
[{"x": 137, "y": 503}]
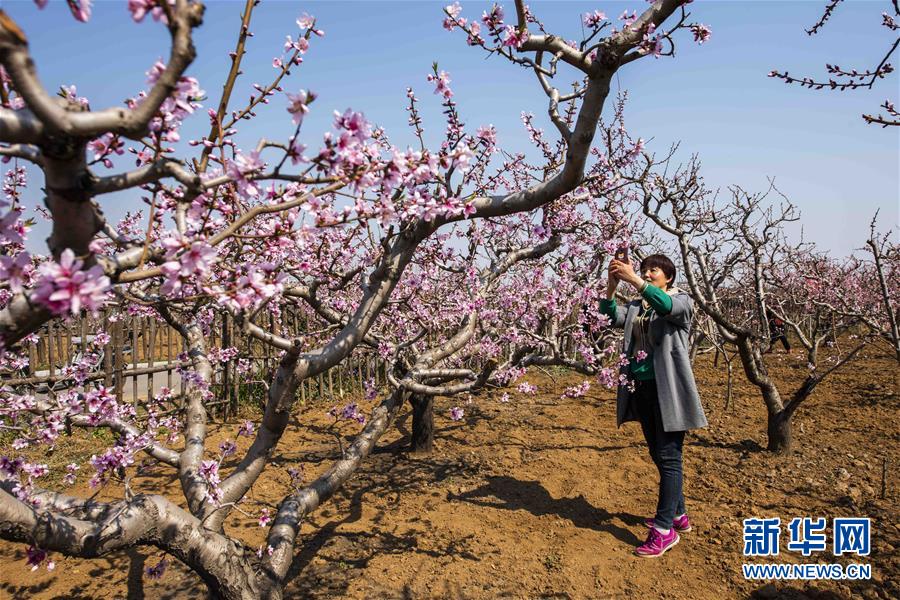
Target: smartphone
[{"x": 622, "y": 255}]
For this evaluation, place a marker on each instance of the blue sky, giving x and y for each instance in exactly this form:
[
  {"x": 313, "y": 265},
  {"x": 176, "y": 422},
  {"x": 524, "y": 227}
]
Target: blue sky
[{"x": 715, "y": 99}]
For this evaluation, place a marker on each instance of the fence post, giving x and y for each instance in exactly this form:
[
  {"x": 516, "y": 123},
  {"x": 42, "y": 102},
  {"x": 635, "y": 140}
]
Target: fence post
[
  {"x": 149, "y": 355},
  {"x": 169, "y": 356},
  {"x": 50, "y": 345},
  {"x": 134, "y": 361},
  {"x": 118, "y": 358},
  {"x": 108, "y": 351},
  {"x": 66, "y": 343},
  {"x": 32, "y": 358}
]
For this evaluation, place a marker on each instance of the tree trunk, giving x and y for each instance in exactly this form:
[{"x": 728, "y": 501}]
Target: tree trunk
[
  {"x": 779, "y": 421},
  {"x": 695, "y": 346},
  {"x": 226, "y": 568},
  {"x": 779, "y": 433},
  {"x": 269, "y": 592},
  {"x": 422, "y": 438},
  {"x": 812, "y": 354}
]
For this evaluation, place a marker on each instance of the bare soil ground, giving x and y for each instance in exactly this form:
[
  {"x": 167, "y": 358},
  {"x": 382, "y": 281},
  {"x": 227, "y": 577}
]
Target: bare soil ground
[{"x": 542, "y": 497}]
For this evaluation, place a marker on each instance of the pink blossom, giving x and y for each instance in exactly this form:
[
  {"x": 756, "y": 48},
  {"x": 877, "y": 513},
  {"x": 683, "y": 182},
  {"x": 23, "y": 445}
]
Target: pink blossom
[
  {"x": 16, "y": 271},
  {"x": 701, "y": 32},
  {"x": 349, "y": 412},
  {"x": 222, "y": 355},
  {"x": 104, "y": 145},
  {"x": 34, "y": 556},
  {"x": 453, "y": 10},
  {"x": 186, "y": 263},
  {"x": 354, "y": 123},
  {"x": 608, "y": 377},
  {"x": 295, "y": 152},
  {"x": 101, "y": 405},
  {"x": 442, "y": 84},
  {"x": 371, "y": 389},
  {"x": 65, "y": 288},
  {"x": 70, "y": 475},
  {"x": 527, "y": 388},
  {"x": 81, "y": 9},
  {"x": 462, "y": 156},
  {"x": 35, "y": 470},
  {"x": 577, "y": 391},
  {"x": 227, "y": 448},
  {"x": 301, "y": 45},
  {"x": 14, "y": 181},
  {"x": 488, "y": 134},
  {"x": 296, "y": 475},
  {"x": 494, "y": 18},
  {"x": 178, "y": 105},
  {"x": 308, "y": 22},
  {"x": 12, "y": 228},
  {"x": 593, "y": 19},
  {"x": 209, "y": 472},
  {"x": 256, "y": 283},
  {"x": 456, "y": 413},
  {"x": 513, "y": 37},
  {"x": 264, "y": 517},
  {"x": 116, "y": 458},
  {"x": 239, "y": 168},
  {"x": 156, "y": 571},
  {"x": 198, "y": 259},
  {"x": 299, "y": 104},
  {"x": 628, "y": 19},
  {"x": 474, "y": 38},
  {"x": 651, "y": 44},
  {"x": 140, "y": 8}
]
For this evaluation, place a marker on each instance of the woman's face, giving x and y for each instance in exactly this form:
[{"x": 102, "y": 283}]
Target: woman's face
[{"x": 656, "y": 276}]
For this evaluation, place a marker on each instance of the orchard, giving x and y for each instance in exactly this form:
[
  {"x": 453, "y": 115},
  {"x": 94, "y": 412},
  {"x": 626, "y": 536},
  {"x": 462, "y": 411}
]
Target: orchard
[{"x": 245, "y": 350}]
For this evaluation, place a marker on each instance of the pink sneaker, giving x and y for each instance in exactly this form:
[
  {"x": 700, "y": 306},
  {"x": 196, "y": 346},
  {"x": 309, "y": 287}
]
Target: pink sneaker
[
  {"x": 657, "y": 543},
  {"x": 680, "y": 524}
]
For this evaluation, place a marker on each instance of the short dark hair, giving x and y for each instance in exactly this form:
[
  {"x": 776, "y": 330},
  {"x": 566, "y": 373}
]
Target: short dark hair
[{"x": 662, "y": 262}]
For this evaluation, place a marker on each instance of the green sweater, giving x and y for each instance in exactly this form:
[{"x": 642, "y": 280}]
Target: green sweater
[{"x": 659, "y": 301}]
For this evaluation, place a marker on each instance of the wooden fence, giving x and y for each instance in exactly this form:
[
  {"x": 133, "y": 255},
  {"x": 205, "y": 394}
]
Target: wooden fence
[{"x": 145, "y": 348}]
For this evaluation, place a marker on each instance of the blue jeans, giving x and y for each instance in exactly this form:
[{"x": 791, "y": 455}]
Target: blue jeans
[{"x": 665, "y": 450}]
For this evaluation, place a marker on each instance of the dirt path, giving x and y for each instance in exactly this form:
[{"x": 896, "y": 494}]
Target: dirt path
[{"x": 542, "y": 497}]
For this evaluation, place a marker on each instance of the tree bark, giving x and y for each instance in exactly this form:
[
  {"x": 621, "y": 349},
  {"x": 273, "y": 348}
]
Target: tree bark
[
  {"x": 779, "y": 433},
  {"x": 422, "y": 438},
  {"x": 812, "y": 354},
  {"x": 779, "y": 420}
]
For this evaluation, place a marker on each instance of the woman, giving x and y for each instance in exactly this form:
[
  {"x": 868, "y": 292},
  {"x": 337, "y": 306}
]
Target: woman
[{"x": 664, "y": 399}]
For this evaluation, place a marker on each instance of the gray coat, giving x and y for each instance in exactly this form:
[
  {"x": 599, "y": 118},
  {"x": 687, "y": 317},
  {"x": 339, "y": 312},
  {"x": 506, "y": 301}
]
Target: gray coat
[{"x": 679, "y": 401}]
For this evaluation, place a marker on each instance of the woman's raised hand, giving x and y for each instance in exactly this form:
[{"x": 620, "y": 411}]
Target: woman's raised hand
[{"x": 623, "y": 271}]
